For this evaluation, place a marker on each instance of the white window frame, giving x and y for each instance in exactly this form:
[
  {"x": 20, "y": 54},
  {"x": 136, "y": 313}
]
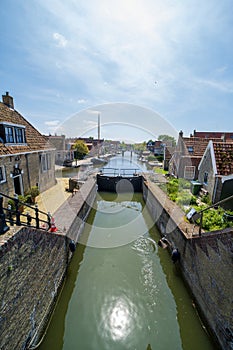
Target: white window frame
[
  {"x": 3, "y": 171},
  {"x": 46, "y": 163},
  {"x": 189, "y": 172},
  {"x": 14, "y": 137}
]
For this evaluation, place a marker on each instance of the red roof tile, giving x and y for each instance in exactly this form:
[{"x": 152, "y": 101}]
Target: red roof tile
[
  {"x": 224, "y": 158},
  {"x": 35, "y": 141},
  {"x": 226, "y": 136},
  {"x": 195, "y": 146}
]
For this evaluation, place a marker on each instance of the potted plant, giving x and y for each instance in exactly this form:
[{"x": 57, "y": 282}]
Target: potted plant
[{"x": 34, "y": 192}]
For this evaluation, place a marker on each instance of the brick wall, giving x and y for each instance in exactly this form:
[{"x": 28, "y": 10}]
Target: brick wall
[
  {"x": 33, "y": 264},
  {"x": 32, "y": 267},
  {"x": 32, "y": 174},
  {"x": 206, "y": 265}
]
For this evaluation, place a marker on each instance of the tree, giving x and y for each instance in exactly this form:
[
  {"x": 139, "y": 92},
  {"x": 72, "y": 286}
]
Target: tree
[
  {"x": 169, "y": 140},
  {"x": 80, "y": 149},
  {"x": 140, "y": 147}
]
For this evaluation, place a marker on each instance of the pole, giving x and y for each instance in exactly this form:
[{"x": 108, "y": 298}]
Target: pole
[
  {"x": 98, "y": 135},
  {"x": 3, "y": 226}
]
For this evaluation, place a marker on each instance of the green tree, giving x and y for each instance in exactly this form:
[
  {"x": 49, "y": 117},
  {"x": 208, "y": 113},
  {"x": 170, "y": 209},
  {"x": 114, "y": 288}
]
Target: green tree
[
  {"x": 170, "y": 140},
  {"x": 80, "y": 149},
  {"x": 140, "y": 146}
]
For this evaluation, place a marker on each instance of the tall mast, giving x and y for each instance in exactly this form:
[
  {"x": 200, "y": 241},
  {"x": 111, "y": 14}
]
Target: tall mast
[
  {"x": 99, "y": 127},
  {"x": 98, "y": 135}
]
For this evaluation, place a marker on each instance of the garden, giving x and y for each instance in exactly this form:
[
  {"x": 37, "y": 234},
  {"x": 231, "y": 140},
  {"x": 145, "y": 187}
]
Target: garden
[{"x": 178, "y": 190}]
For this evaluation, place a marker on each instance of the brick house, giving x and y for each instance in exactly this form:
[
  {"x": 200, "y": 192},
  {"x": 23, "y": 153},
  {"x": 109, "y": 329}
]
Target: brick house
[
  {"x": 27, "y": 159},
  {"x": 225, "y": 136},
  {"x": 156, "y": 147},
  {"x": 64, "y": 154},
  {"x": 216, "y": 171},
  {"x": 187, "y": 156}
]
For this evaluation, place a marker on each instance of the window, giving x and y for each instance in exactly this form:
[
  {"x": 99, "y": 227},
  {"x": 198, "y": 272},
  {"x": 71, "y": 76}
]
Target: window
[
  {"x": 189, "y": 172},
  {"x": 46, "y": 162},
  {"x": 12, "y": 133},
  {"x": 206, "y": 178},
  {"x": 2, "y": 174},
  {"x": 9, "y": 134},
  {"x": 190, "y": 149},
  {"x": 20, "y": 135}
]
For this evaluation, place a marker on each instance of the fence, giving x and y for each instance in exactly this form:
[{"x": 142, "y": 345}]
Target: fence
[{"x": 14, "y": 215}]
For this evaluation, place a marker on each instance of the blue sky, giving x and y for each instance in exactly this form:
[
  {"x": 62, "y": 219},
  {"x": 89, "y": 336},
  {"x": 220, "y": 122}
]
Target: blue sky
[{"x": 149, "y": 66}]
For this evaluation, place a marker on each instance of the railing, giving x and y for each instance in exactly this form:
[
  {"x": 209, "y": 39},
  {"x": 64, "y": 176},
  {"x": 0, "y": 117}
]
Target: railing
[
  {"x": 119, "y": 171},
  {"x": 14, "y": 216}
]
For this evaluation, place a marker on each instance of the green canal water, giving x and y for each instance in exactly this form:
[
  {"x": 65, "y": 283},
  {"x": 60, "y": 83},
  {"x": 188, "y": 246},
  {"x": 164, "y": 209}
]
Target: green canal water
[{"x": 121, "y": 291}]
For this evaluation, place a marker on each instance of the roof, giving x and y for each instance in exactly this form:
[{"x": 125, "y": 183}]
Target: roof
[
  {"x": 169, "y": 151},
  {"x": 224, "y": 158},
  {"x": 227, "y": 136},
  {"x": 35, "y": 141},
  {"x": 195, "y": 146}
]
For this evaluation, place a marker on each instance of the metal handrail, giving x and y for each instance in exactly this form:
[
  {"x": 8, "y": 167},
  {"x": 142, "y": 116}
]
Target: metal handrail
[
  {"x": 14, "y": 216},
  {"x": 119, "y": 171}
]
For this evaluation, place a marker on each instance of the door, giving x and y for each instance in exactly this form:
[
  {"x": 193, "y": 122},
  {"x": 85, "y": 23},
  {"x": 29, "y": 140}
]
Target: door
[{"x": 18, "y": 184}]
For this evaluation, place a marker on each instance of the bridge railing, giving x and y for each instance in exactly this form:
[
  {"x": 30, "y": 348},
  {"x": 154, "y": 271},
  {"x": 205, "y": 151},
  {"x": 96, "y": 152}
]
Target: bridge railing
[
  {"x": 12, "y": 215},
  {"x": 119, "y": 171}
]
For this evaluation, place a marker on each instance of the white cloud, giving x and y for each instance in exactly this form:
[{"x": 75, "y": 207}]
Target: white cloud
[
  {"x": 60, "y": 40},
  {"x": 117, "y": 50},
  {"x": 82, "y": 101},
  {"x": 223, "y": 86},
  {"x": 52, "y": 123}
]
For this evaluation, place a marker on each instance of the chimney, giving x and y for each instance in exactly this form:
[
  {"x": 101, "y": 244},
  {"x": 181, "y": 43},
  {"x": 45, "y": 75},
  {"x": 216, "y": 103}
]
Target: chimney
[{"x": 8, "y": 100}]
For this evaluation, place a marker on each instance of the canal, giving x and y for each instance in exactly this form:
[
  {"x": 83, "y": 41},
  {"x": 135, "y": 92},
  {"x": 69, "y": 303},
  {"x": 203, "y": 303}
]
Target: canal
[{"x": 121, "y": 291}]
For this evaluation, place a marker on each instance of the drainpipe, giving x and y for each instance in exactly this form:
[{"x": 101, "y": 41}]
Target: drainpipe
[
  {"x": 215, "y": 189},
  {"x": 28, "y": 172}
]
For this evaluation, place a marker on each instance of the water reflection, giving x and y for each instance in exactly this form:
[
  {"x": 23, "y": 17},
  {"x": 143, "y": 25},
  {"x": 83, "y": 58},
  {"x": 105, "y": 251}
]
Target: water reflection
[
  {"x": 118, "y": 315},
  {"x": 120, "y": 297}
]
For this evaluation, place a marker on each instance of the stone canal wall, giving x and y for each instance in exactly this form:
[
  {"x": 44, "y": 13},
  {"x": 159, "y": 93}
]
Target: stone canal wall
[
  {"x": 206, "y": 263},
  {"x": 33, "y": 266}
]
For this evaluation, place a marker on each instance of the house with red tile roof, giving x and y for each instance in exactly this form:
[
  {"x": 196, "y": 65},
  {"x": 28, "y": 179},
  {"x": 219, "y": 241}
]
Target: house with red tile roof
[
  {"x": 216, "y": 171},
  {"x": 225, "y": 136},
  {"x": 26, "y": 157},
  {"x": 187, "y": 156}
]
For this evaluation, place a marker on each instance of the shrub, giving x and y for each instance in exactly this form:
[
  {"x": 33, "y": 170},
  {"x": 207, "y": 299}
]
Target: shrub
[
  {"x": 186, "y": 198},
  {"x": 206, "y": 199},
  {"x": 185, "y": 184},
  {"x": 34, "y": 192}
]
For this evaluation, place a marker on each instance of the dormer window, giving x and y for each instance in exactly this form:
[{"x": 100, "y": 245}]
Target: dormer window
[
  {"x": 9, "y": 134},
  {"x": 12, "y": 133},
  {"x": 190, "y": 149}
]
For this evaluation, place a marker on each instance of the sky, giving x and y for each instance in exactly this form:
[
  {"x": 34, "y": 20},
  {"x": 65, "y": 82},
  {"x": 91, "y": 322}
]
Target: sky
[{"x": 148, "y": 67}]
